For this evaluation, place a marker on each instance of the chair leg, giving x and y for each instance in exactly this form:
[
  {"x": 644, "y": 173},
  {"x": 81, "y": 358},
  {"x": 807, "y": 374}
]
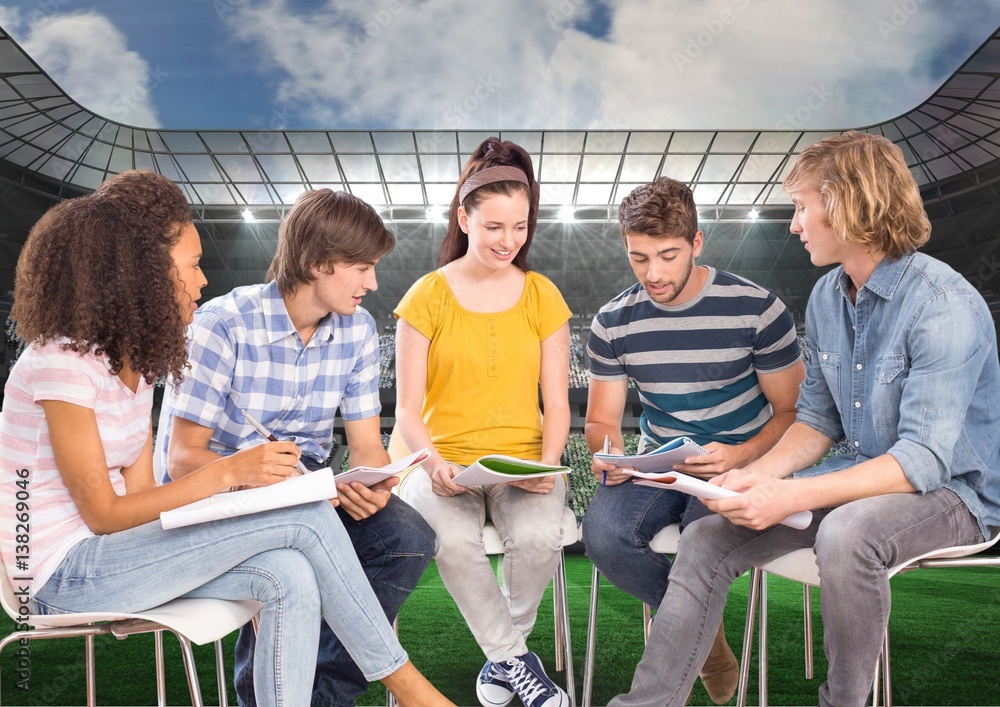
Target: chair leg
[
  {"x": 191, "y": 670},
  {"x": 588, "y": 660},
  {"x": 161, "y": 678},
  {"x": 390, "y": 699},
  {"x": 762, "y": 639},
  {"x": 567, "y": 642},
  {"x": 220, "y": 674},
  {"x": 91, "y": 678},
  {"x": 875, "y": 684},
  {"x": 886, "y": 672},
  {"x": 647, "y": 622},
  {"x": 808, "y": 620},
  {"x": 744, "y": 680},
  {"x": 558, "y": 592}
]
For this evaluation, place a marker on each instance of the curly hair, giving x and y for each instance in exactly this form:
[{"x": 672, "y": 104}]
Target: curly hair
[
  {"x": 869, "y": 196},
  {"x": 491, "y": 153},
  {"x": 664, "y": 208},
  {"x": 97, "y": 270}
]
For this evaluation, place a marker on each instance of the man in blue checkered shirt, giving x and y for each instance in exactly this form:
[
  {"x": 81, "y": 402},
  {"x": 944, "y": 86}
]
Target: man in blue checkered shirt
[{"x": 292, "y": 352}]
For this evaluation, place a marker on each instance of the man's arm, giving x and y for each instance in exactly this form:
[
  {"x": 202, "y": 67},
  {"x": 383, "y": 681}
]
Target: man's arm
[
  {"x": 364, "y": 441},
  {"x": 605, "y": 407},
  {"x": 188, "y": 449},
  {"x": 782, "y": 391}
]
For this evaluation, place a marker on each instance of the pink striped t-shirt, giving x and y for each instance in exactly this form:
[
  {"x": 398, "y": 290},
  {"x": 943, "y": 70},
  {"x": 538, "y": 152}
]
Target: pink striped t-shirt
[{"x": 52, "y": 521}]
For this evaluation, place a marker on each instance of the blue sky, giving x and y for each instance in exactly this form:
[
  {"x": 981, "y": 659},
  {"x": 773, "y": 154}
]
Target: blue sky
[{"x": 511, "y": 64}]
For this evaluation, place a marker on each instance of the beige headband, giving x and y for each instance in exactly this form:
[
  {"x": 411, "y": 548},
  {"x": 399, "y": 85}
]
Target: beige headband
[{"x": 504, "y": 173}]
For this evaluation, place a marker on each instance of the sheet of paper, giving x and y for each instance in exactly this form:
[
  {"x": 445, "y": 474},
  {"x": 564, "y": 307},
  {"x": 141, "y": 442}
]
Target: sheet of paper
[
  {"x": 368, "y": 475},
  {"x": 702, "y": 489},
  {"x": 317, "y": 486},
  {"x": 661, "y": 459}
]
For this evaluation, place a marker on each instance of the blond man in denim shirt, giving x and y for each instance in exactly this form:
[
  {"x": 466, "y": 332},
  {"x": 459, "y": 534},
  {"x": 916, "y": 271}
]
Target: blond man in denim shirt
[{"x": 903, "y": 365}]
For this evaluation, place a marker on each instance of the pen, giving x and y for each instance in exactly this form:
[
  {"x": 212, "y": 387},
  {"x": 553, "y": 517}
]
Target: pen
[
  {"x": 299, "y": 466},
  {"x": 607, "y": 450}
]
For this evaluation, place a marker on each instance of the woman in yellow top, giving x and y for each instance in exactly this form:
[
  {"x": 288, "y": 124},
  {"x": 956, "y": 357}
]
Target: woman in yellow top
[{"x": 475, "y": 338}]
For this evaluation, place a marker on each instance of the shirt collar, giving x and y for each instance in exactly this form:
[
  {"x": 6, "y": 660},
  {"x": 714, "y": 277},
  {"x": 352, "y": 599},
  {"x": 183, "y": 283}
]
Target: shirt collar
[
  {"x": 884, "y": 279},
  {"x": 279, "y": 325}
]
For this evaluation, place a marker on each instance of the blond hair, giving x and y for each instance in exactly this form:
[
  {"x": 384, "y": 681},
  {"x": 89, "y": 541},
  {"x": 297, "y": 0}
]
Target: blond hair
[{"x": 869, "y": 196}]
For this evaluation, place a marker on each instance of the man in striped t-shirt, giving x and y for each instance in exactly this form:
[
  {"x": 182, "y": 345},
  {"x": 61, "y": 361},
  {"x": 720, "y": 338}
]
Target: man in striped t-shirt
[{"x": 714, "y": 358}]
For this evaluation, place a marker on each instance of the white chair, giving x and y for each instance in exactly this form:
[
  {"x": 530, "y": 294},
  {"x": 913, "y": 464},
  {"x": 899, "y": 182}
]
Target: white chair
[
  {"x": 192, "y": 620},
  {"x": 800, "y": 565},
  {"x": 665, "y": 542},
  {"x": 560, "y": 609}
]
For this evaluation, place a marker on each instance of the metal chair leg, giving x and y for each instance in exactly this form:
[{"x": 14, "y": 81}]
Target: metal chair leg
[
  {"x": 390, "y": 699},
  {"x": 220, "y": 674},
  {"x": 886, "y": 672},
  {"x": 762, "y": 639},
  {"x": 558, "y": 592},
  {"x": 589, "y": 655},
  {"x": 647, "y": 622},
  {"x": 808, "y": 620},
  {"x": 744, "y": 679},
  {"x": 191, "y": 670},
  {"x": 161, "y": 678},
  {"x": 875, "y": 684},
  {"x": 567, "y": 641},
  {"x": 91, "y": 677}
]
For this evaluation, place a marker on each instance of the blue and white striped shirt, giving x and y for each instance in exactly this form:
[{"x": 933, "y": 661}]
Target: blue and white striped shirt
[
  {"x": 246, "y": 355},
  {"x": 695, "y": 364}
]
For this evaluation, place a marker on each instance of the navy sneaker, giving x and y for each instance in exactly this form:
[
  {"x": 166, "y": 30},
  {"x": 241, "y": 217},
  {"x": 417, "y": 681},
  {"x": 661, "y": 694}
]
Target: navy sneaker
[
  {"x": 528, "y": 679},
  {"x": 492, "y": 687}
]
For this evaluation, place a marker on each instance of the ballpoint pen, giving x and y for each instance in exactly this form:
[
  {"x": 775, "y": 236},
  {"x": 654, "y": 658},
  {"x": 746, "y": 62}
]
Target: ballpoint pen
[
  {"x": 607, "y": 450},
  {"x": 299, "y": 466}
]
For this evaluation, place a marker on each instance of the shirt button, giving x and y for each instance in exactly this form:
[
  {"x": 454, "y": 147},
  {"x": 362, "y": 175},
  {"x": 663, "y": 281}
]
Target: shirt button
[
  {"x": 857, "y": 443},
  {"x": 857, "y": 405},
  {"x": 494, "y": 361},
  {"x": 494, "y": 350},
  {"x": 859, "y": 366},
  {"x": 826, "y": 356}
]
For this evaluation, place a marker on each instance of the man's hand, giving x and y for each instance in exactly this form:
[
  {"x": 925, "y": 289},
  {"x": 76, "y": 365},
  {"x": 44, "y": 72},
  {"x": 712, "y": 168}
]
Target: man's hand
[
  {"x": 361, "y": 501},
  {"x": 541, "y": 484},
  {"x": 720, "y": 459},
  {"x": 764, "y": 500},
  {"x": 614, "y": 476}
]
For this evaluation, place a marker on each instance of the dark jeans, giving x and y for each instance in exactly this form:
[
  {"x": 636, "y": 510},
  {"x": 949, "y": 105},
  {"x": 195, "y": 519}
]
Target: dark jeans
[
  {"x": 394, "y": 546},
  {"x": 619, "y": 524}
]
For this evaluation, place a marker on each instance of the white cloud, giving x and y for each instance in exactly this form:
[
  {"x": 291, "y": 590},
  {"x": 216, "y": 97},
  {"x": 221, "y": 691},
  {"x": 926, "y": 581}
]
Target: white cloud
[
  {"x": 88, "y": 57},
  {"x": 664, "y": 64}
]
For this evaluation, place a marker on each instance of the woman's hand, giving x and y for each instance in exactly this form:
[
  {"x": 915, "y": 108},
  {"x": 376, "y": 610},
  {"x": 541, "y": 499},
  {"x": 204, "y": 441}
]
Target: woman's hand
[
  {"x": 441, "y": 475},
  {"x": 539, "y": 484},
  {"x": 262, "y": 465}
]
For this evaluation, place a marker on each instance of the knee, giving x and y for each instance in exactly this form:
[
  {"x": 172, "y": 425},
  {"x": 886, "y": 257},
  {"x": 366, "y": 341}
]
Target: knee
[
  {"x": 410, "y": 534},
  {"x": 843, "y": 542},
  {"x": 535, "y": 537},
  {"x": 285, "y": 577},
  {"x": 603, "y": 534}
]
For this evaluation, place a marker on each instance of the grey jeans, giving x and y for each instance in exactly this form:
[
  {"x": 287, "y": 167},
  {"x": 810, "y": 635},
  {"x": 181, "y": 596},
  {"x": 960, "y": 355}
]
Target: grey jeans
[
  {"x": 530, "y": 525},
  {"x": 855, "y": 545}
]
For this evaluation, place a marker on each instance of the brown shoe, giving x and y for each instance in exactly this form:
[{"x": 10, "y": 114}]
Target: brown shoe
[{"x": 721, "y": 672}]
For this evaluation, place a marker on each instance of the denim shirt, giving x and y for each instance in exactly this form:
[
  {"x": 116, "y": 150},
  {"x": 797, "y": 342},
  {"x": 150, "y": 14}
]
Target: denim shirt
[{"x": 910, "y": 370}]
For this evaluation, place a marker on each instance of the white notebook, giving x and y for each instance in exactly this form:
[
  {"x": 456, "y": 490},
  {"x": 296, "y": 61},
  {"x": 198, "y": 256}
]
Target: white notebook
[{"x": 317, "y": 486}]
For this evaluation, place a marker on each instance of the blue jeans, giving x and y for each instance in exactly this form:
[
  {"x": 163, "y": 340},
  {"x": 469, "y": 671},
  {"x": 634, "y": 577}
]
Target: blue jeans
[
  {"x": 619, "y": 524},
  {"x": 297, "y": 561},
  {"x": 855, "y": 545},
  {"x": 394, "y": 546}
]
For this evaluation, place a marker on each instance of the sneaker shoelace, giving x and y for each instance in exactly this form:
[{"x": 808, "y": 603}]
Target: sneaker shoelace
[
  {"x": 527, "y": 685},
  {"x": 497, "y": 675}
]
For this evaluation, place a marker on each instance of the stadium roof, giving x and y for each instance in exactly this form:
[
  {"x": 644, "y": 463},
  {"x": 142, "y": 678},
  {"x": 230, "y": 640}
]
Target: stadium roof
[{"x": 411, "y": 174}]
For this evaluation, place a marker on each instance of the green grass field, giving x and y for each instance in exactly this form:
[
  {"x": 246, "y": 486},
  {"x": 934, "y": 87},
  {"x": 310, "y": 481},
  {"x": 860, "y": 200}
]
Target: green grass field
[{"x": 944, "y": 631}]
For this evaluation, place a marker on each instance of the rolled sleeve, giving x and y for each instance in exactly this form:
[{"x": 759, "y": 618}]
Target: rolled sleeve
[
  {"x": 361, "y": 398},
  {"x": 948, "y": 348}
]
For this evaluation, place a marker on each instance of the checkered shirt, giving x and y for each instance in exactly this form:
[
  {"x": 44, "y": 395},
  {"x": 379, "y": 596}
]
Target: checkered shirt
[{"x": 246, "y": 355}]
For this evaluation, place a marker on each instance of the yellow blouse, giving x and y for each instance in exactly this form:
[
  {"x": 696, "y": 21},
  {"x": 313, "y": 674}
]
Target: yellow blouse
[{"x": 483, "y": 367}]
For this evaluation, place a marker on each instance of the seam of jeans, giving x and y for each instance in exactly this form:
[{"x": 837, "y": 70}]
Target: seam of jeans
[{"x": 279, "y": 623}]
